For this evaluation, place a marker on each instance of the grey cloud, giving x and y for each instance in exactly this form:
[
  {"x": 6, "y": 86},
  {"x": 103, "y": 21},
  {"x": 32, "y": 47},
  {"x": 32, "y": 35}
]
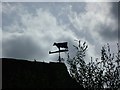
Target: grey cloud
[
  {"x": 21, "y": 47},
  {"x": 66, "y": 8},
  {"x": 119, "y": 21},
  {"x": 78, "y": 7},
  {"x": 108, "y": 34},
  {"x": 26, "y": 47},
  {"x": 0, "y": 14},
  {"x": 86, "y": 34},
  {"x": 63, "y": 8},
  {"x": 106, "y": 31},
  {"x": 114, "y": 10},
  {"x": 9, "y": 20},
  {"x": 10, "y": 13},
  {"x": 62, "y": 1},
  {"x": 30, "y": 7}
]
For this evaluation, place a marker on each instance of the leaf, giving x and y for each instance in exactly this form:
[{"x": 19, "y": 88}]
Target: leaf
[{"x": 75, "y": 47}]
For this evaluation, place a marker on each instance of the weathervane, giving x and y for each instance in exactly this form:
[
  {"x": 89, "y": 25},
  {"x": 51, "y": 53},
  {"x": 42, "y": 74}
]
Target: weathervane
[{"x": 59, "y": 46}]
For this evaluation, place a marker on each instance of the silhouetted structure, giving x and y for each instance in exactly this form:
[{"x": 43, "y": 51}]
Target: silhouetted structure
[
  {"x": 34, "y": 60},
  {"x": 60, "y": 45},
  {"x": 23, "y": 74}
]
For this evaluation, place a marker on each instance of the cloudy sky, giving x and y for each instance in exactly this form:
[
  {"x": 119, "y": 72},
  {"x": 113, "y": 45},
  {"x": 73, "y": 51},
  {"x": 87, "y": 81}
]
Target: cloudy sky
[{"x": 29, "y": 29}]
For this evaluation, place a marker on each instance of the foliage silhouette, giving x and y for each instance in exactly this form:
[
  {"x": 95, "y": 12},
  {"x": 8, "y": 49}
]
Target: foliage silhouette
[{"x": 97, "y": 74}]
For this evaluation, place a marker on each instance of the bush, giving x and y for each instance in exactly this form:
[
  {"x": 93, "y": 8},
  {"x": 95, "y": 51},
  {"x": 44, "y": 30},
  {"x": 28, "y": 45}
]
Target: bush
[{"x": 97, "y": 74}]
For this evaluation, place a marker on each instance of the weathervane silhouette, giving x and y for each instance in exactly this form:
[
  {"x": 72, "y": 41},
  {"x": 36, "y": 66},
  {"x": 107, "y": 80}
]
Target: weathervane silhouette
[{"x": 59, "y": 46}]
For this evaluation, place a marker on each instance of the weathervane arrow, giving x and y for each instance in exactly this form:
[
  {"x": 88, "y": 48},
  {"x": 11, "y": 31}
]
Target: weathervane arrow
[{"x": 60, "y": 45}]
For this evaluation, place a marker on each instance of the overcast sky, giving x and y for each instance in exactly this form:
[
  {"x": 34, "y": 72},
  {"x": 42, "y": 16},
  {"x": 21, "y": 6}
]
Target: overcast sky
[
  {"x": 60, "y": 0},
  {"x": 30, "y": 29}
]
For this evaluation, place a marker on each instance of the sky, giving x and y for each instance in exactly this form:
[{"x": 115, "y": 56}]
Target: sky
[
  {"x": 29, "y": 29},
  {"x": 60, "y": 0}
]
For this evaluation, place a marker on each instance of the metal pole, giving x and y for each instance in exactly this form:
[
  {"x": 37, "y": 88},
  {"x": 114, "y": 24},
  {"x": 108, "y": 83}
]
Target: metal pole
[{"x": 59, "y": 57}]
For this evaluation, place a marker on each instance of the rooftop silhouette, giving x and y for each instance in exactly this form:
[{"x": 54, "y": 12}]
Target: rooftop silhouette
[{"x": 28, "y": 74}]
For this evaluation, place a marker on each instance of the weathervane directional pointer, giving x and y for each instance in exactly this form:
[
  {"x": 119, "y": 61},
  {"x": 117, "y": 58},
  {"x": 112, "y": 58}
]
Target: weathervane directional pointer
[{"x": 60, "y": 45}]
